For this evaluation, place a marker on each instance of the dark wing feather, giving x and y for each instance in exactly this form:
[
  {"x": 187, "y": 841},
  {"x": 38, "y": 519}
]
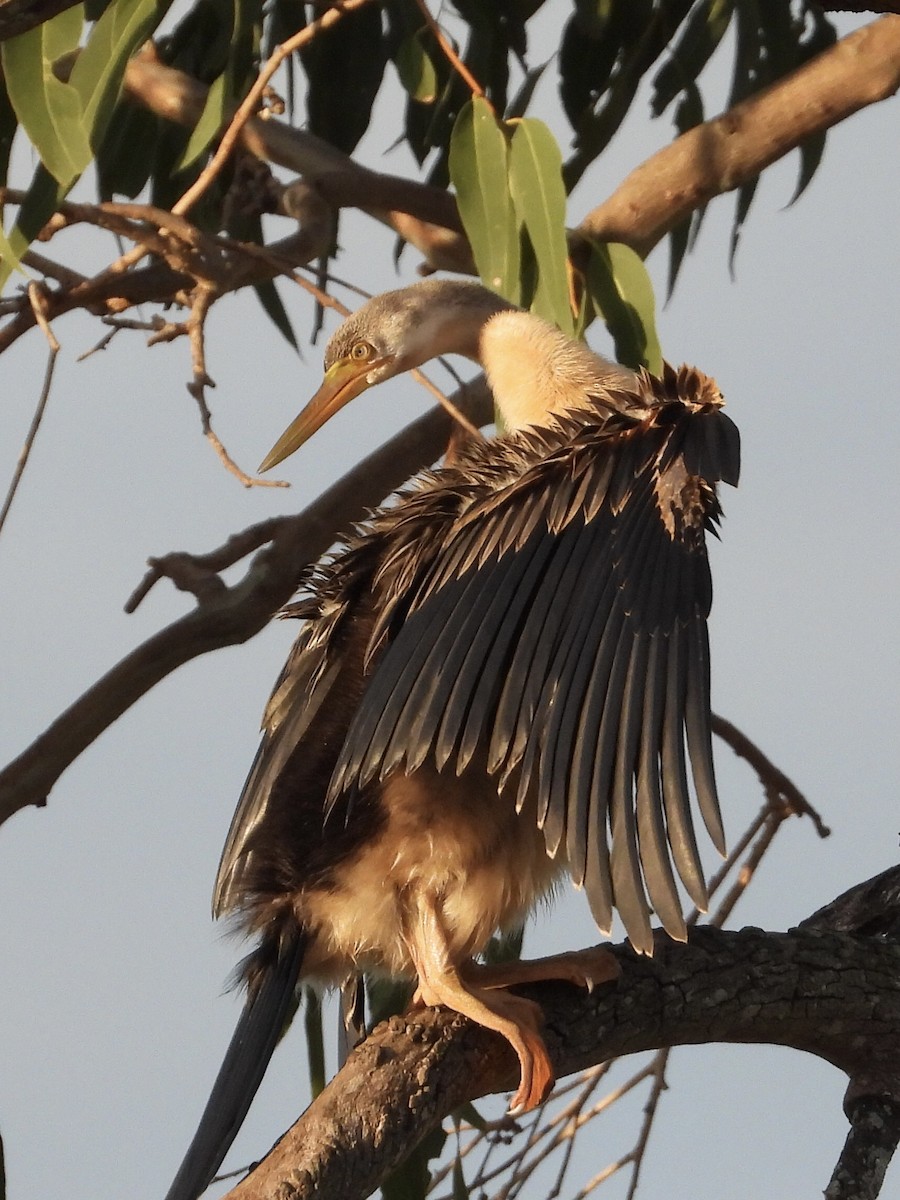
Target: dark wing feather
[
  {"x": 557, "y": 629},
  {"x": 297, "y": 699}
]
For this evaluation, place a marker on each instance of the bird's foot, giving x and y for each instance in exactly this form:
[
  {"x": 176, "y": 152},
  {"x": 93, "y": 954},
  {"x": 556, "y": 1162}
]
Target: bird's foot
[{"x": 583, "y": 968}]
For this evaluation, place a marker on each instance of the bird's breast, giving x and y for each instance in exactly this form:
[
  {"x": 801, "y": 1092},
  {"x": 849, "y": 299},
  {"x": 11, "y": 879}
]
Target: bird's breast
[{"x": 451, "y": 840}]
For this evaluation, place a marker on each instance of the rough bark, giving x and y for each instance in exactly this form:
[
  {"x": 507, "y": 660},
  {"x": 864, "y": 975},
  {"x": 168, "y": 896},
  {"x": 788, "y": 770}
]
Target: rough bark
[{"x": 835, "y": 995}]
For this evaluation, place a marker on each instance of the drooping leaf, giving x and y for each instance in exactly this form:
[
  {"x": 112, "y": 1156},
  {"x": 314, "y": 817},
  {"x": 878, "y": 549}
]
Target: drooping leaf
[
  {"x": 539, "y": 197},
  {"x": 410, "y": 1180},
  {"x": 479, "y": 170},
  {"x": 99, "y": 69},
  {"x": 518, "y": 106},
  {"x": 460, "y": 1187},
  {"x": 416, "y": 69},
  {"x": 505, "y": 947},
  {"x": 688, "y": 114},
  {"x": 811, "y": 151},
  {"x": 345, "y": 65},
  {"x": 623, "y": 295},
  {"x": 127, "y": 154},
  {"x": 315, "y": 1041},
  {"x": 741, "y": 210},
  {"x": 211, "y": 120},
  {"x": 49, "y": 110},
  {"x": 699, "y": 38},
  {"x": 267, "y": 294},
  {"x": 39, "y": 205},
  {"x": 8, "y": 127},
  {"x": 590, "y": 44},
  {"x": 9, "y": 260}
]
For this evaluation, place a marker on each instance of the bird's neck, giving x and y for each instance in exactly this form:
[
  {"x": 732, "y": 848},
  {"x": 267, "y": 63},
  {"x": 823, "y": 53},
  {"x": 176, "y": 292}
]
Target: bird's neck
[{"x": 537, "y": 372}]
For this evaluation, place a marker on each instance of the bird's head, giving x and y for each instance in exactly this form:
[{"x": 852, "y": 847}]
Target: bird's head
[{"x": 390, "y": 334}]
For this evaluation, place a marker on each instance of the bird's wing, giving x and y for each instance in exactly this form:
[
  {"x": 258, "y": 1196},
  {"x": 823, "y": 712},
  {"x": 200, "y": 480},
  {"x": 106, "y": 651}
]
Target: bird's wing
[
  {"x": 302, "y": 689},
  {"x": 559, "y": 633}
]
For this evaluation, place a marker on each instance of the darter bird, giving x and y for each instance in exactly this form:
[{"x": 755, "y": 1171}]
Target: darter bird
[{"x": 500, "y": 678}]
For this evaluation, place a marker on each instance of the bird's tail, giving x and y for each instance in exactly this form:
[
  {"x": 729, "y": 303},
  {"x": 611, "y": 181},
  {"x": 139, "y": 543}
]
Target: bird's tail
[{"x": 272, "y": 972}]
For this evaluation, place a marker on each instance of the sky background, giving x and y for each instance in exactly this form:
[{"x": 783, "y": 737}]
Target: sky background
[{"x": 114, "y": 1017}]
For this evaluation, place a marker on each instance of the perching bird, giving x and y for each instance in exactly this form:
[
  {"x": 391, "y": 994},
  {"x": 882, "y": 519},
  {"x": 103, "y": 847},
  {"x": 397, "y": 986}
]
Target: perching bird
[{"x": 496, "y": 683}]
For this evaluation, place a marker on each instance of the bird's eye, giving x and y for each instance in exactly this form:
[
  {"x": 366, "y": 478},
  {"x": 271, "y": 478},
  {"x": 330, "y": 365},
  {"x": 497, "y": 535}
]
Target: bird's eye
[{"x": 362, "y": 351}]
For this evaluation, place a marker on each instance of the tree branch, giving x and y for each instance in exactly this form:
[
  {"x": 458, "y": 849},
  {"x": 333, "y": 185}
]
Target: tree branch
[
  {"x": 720, "y": 155},
  {"x": 833, "y": 995},
  {"x": 228, "y": 616}
]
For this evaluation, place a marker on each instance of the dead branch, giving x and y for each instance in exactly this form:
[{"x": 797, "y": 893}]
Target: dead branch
[
  {"x": 37, "y": 302},
  {"x": 833, "y": 995}
]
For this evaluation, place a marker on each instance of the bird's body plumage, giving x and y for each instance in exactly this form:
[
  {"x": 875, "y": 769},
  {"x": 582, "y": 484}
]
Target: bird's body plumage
[{"x": 495, "y": 683}]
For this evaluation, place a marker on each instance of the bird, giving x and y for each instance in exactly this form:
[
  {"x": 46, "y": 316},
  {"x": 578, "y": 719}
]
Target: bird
[{"x": 502, "y": 678}]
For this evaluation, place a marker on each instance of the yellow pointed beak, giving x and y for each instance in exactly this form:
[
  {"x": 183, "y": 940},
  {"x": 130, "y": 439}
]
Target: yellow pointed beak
[{"x": 344, "y": 380}]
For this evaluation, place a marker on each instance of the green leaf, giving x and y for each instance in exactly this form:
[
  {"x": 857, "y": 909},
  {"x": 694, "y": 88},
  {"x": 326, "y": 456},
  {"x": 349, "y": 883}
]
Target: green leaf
[
  {"x": 315, "y": 1042},
  {"x": 99, "y": 69},
  {"x": 623, "y": 295},
  {"x": 505, "y": 947},
  {"x": 520, "y": 101},
  {"x": 416, "y": 70},
  {"x": 479, "y": 157},
  {"x": 410, "y": 1180},
  {"x": 460, "y": 1187},
  {"x": 386, "y": 997},
  {"x": 469, "y": 1113},
  {"x": 39, "y": 205},
  {"x": 49, "y": 110},
  {"x": 8, "y": 127},
  {"x": 741, "y": 212},
  {"x": 267, "y": 294},
  {"x": 698, "y": 40},
  {"x": 211, "y": 121},
  {"x": 539, "y": 197},
  {"x": 811, "y": 151},
  {"x": 9, "y": 260}
]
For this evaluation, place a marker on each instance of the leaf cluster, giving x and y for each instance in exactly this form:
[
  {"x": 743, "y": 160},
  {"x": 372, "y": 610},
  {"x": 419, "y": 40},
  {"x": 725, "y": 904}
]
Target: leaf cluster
[{"x": 72, "y": 109}]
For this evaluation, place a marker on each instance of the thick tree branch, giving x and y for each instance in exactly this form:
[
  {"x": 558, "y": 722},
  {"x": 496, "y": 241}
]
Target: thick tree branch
[
  {"x": 720, "y": 155},
  {"x": 228, "y": 616},
  {"x": 833, "y": 995}
]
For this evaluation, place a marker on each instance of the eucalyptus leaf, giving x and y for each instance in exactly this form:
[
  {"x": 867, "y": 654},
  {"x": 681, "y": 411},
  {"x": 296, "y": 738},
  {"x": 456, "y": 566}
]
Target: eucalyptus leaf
[
  {"x": 623, "y": 295},
  {"x": 100, "y": 67},
  {"x": 479, "y": 158},
  {"x": 460, "y": 1187},
  {"x": 315, "y": 1041},
  {"x": 49, "y": 110},
  {"x": 211, "y": 120},
  {"x": 267, "y": 294},
  {"x": 410, "y": 1180},
  {"x": 416, "y": 70},
  {"x": 40, "y": 203},
  {"x": 539, "y": 197}
]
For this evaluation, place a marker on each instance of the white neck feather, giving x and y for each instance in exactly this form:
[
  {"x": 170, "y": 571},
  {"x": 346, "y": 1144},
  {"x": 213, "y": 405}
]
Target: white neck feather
[{"x": 536, "y": 372}]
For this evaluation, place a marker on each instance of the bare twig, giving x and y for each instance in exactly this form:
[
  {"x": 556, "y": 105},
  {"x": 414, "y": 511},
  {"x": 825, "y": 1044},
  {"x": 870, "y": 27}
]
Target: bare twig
[
  {"x": 449, "y": 53},
  {"x": 252, "y": 100},
  {"x": 37, "y": 300},
  {"x": 776, "y": 784}
]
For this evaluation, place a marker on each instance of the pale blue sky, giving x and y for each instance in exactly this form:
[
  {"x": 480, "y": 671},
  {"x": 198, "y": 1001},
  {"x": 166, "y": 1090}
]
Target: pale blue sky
[{"x": 114, "y": 1021}]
